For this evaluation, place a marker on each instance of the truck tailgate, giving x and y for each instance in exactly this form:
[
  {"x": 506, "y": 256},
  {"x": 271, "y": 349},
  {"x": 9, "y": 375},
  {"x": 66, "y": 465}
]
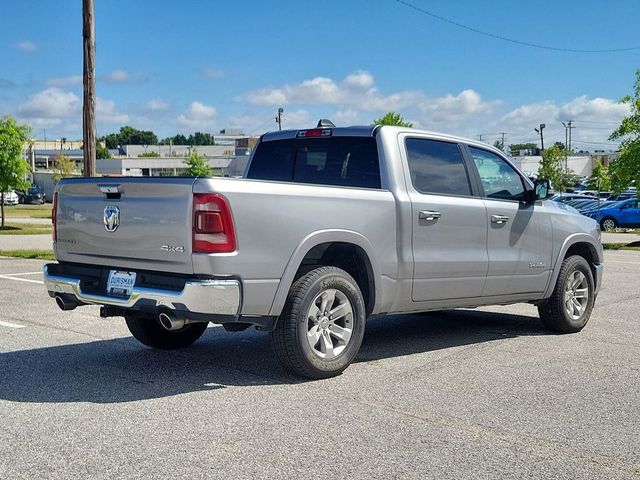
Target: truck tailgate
[{"x": 152, "y": 230}]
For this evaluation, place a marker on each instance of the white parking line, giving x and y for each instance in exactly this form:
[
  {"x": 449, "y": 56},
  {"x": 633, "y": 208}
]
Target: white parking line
[
  {"x": 10, "y": 325},
  {"x": 20, "y": 274},
  {"x": 18, "y": 279}
]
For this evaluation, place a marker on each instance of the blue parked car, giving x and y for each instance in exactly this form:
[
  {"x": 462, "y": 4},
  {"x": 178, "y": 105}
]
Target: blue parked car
[{"x": 619, "y": 214}]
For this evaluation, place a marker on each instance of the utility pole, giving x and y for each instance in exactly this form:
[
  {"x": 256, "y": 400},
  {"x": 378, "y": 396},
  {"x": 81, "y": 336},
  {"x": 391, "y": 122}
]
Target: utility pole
[
  {"x": 570, "y": 127},
  {"x": 541, "y": 128},
  {"x": 89, "y": 94},
  {"x": 279, "y": 118}
]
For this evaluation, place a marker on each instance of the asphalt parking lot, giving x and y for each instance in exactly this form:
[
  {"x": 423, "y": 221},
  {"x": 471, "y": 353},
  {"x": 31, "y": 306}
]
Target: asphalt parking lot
[{"x": 483, "y": 393}]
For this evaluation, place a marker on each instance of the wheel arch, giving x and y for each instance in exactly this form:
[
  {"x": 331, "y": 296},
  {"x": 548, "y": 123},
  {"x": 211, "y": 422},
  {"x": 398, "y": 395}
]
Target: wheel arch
[
  {"x": 344, "y": 249},
  {"x": 578, "y": 244}
]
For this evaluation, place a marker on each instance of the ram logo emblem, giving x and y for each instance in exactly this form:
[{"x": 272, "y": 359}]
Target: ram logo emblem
[{"x": 111, "y": 218}]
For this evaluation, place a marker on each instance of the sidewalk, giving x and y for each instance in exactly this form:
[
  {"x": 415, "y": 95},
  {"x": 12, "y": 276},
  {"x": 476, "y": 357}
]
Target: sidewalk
[
  {"x": 26, "y": 242},
  {"x": 32, "y": 221},
  {"x": 620, "y": 237}
]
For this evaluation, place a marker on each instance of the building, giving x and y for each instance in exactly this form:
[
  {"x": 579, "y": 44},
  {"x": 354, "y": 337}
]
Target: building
[
  {"x": 581, "y": 165},
  {"x": 229, "y": 166}
]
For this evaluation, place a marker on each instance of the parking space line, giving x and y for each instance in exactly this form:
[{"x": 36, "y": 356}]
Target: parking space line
[
  {"x": 20, "y": 274},
  {"x": 18, "y": 279},
  {"x": 10, "y": 325}
]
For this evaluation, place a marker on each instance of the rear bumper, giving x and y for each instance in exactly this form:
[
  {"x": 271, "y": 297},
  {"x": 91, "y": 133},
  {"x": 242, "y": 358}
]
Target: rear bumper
[{"x": 219, "y": 297}]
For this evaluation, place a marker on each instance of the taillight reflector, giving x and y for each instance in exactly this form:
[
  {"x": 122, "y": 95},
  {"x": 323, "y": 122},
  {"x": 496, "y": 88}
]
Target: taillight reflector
[
  {"x": 54, "y": 217},
  {"x": 213, "y": 230}
]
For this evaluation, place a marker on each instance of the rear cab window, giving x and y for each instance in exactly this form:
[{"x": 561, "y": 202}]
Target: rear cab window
[{"x": 336, "y": 161}]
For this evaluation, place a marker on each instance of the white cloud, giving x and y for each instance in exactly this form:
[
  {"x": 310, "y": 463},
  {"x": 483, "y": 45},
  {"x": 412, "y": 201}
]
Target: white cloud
[
  {"x": 358, "y": 93},
  {"x": 197, "y": 116},
  {"x": 210, "y": 72},
  {"x": 52, "y": 103},
  {"x": 54, "y": 106},
  {"x": 26, "y": 46},
  {"x": 106, "y": 112},
  {"x": 69, "y": 81},
  {"x": 123, "y": 76},
  {"x": 296, "y": 119},
  {"x": 156, "y": 105}
]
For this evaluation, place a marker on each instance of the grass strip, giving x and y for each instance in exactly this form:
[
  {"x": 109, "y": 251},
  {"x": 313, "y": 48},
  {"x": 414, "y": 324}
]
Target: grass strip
[
  {"x": 32, "y": 211},
  {"x": 25, "y": 229},
  {"x": 635, "y": 246},
  {"x": 30, "y": 254}
]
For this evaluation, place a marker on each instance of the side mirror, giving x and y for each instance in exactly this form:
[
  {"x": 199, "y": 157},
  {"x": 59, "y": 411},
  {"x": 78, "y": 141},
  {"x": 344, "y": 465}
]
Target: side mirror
[{"x": 541, "y": 189}]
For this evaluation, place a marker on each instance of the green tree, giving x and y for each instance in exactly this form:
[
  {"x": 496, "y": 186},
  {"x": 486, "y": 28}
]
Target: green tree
[
  {"x": 63, "y": 166},
  {"x": 560, "y": 145},
  {"x": 551, "y": 168},
  {"x": 600, "y": 178},
  {"x": 149, "y": 155},
  {"x": 197, "y": 165},
  {"x": 102, "y": 152},
  {"x": 626, "y": 169},
  {"x": 130, "y": 136},
  {"x": 515, "y": 148},
  {"x": 498, "y": 144},
  {"x": 392, "y": 118},
  {"x": 13, "y": 168}
]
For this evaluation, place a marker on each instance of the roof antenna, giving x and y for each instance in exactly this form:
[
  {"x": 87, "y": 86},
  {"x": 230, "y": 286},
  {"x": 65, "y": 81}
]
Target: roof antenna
[{"x": 325, "y": 123}]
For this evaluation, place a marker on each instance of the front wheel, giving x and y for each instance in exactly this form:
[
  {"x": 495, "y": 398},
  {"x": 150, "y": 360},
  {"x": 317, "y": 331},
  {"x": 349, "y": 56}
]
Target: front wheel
[
  {"x": 148, "y": 331},
  {"x": 322, "y": 325},
  {"x": 569, "y": 307}
]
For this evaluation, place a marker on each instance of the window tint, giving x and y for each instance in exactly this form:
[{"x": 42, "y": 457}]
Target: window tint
[
  {"x": 343, "y": 161},
  {"x": 437, "y": 167},
  {"x": 499, "y": 179},
  {"x": 272, "y": 161}
]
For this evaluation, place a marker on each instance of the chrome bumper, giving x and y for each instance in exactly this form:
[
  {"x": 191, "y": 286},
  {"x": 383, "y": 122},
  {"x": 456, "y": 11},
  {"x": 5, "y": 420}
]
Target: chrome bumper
[
  {"x": 599, "y": 269},
  {"x": 214, "y": 297}
]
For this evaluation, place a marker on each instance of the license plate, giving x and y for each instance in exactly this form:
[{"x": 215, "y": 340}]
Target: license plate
[{"x": 121, "y": 283}]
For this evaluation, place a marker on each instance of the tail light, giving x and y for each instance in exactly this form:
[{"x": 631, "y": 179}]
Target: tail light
[
  {"x": 213, "y": 230},
  {"x": 54, "y": 217}
]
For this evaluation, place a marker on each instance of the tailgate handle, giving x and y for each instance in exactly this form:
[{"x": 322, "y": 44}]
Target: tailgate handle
[{"x": 111, "y": 190}]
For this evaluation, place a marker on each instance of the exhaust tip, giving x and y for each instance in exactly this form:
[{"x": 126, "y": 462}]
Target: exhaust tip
[
  {"x": 65, "y": 303},
  {"x": 170, "y": 321}
]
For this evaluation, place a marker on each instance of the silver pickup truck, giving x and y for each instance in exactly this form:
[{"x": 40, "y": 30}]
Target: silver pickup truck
[{"x": 329, "y": 227}]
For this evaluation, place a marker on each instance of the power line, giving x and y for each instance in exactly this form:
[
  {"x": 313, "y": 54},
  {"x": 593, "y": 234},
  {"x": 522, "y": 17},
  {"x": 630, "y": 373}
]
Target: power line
[{"x": 513, "y": 40}]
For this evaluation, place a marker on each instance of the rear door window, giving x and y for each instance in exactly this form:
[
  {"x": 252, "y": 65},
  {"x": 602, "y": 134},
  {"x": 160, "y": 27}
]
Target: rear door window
[
  {"x": 437, "y": 167},
  {"x": 340, "y": 161}
]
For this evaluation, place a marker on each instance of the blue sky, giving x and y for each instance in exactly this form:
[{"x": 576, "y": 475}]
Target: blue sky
[{"x": 206, "y": 65}]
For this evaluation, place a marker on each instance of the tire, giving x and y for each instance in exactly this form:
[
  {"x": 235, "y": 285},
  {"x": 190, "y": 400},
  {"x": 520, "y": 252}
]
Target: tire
[
  {"x": 148, "y": 331},
  {"x": 608, "y": 223},
  {"x": 567, "y": 295},
  {"x": 314, "y": 345}
]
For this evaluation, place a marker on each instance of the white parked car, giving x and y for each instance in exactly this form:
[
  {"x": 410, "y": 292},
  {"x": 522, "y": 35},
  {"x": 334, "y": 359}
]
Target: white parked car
[{"x": 10, "y": 198}]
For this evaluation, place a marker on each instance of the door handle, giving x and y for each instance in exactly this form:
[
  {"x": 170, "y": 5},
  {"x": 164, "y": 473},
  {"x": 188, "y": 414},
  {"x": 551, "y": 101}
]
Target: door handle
[
  {"x": 428, "y": 215},
  {"x": 499, "y": 219}
]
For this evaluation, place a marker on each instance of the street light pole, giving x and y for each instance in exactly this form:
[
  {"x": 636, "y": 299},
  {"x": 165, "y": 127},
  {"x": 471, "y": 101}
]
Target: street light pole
[{"x": 542, "y": 126}]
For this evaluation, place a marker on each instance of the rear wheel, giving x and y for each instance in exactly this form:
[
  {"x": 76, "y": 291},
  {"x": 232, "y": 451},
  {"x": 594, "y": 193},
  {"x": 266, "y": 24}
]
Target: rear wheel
[
  {"x": 148, "y": 331},
  {"x": 569, "y": 307},
  {"x": 322, "y": 325},
  {"x": 608, "y": 223}
]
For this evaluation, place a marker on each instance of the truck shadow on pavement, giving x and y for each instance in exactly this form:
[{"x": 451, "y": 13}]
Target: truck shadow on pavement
[{"x": 122, "y": 370}]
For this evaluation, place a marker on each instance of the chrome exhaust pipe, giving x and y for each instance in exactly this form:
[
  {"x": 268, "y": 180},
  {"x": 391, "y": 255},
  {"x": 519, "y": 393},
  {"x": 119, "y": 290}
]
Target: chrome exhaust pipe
[
  {"x": 65, "y": 302},
  {"x": 170, "y": 320}
]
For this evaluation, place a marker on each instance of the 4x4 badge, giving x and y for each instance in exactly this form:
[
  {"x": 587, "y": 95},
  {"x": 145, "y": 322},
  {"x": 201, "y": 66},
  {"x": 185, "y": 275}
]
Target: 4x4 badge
[{"x": 111, "y": 218}]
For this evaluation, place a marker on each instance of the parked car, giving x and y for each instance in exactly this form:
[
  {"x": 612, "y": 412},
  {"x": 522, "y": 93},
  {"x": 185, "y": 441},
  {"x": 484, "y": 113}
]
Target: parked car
[
  {"x": 329, "y": 227},
  {"x": 624, "y": 213},
  {"x": 567, "y": 197},
  {"x": 32, "y": 195},
  {"x": 10, "y": 198}
]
